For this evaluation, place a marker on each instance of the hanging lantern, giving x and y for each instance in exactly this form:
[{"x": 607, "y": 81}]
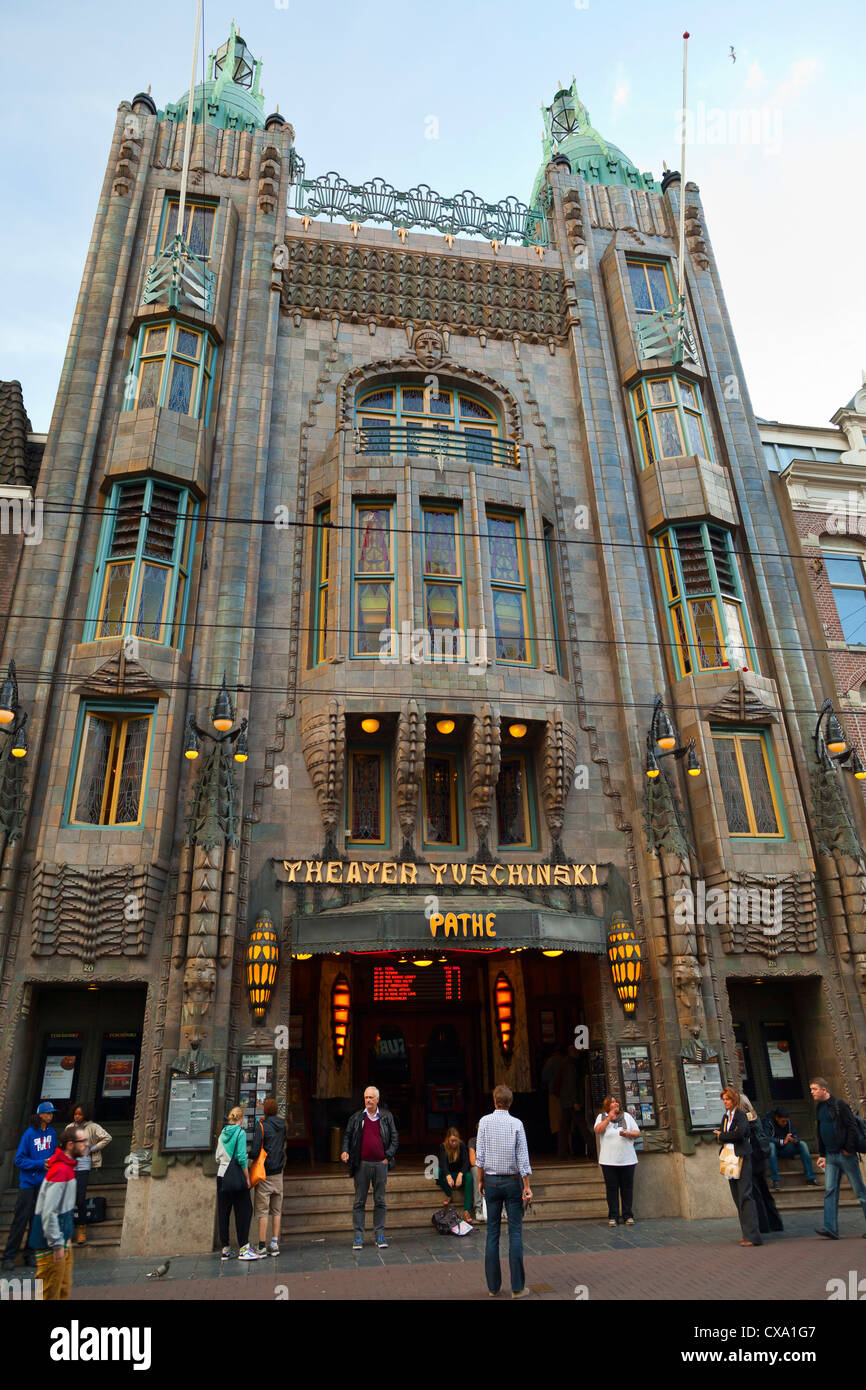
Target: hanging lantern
[
  {"x": 623, "y": 952},
  {"x": 503, "y": 1005},
  {"x": 263, "y": 957},
  {"x": 341, "y": 1003}
]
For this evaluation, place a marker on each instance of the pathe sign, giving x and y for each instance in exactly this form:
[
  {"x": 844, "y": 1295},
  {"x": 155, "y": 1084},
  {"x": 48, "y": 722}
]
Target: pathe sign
[{"x": 438, "y": 875}]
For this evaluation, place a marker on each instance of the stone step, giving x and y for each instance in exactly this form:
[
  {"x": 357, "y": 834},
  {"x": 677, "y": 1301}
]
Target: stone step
[
  {"x": 320, "y": 1223},
  {"x": 576, "y": 1199},
  {"x": 571, "y": 1174}
]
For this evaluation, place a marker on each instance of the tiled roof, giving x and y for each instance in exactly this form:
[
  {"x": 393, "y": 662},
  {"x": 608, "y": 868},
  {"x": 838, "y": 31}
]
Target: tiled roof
[{"x": 18, "y": 465}]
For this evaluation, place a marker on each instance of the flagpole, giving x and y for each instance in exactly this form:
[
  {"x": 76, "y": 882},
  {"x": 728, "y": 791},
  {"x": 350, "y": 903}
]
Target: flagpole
[
  {"x": 682, "y": 250},
  {"x": 187, "y": 135}
]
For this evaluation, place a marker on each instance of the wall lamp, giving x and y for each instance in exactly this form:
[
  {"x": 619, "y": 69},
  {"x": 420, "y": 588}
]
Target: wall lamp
[
  {"x": 222, "y": 718},
  {"x": 13, "y": 720},
  {"x": 662, "y": 741},
  {"x": 831, "y": 747}
]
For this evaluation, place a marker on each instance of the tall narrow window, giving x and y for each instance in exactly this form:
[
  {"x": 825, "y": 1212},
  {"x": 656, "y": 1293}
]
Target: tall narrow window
[
  {"x": 508, "y": 579},
  {"x": 552, "y": 560},
  {"x": 650, "y": 286},
  {"x": 442, "y": 814},
  {"x": 171, "y": 366},
  {"x": 704, "y": 598},
  {"x": 747, "y": 785},
  {"x": 198, "y": 225},
  {"x": 323, "y": 561},
  {"x": 669, "y": 418},
  {"x": 142, "y": 571},
  {"x": 513, "y": 811},
  {"x": 373, "y": 606},
  {"x": 367, "y": 797},
  {"x": 111, "y": 765},
  {"x": 847, "y": 580},
  {"x": 443, "y": 581}
]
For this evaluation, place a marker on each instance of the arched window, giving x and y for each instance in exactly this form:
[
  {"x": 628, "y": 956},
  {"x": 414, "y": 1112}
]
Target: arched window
[{"x": 415, "y": 419}]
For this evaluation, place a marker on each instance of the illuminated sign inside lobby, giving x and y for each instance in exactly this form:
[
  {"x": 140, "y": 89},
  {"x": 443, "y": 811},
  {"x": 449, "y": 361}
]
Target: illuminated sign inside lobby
[{"x": 364, "y": 871}]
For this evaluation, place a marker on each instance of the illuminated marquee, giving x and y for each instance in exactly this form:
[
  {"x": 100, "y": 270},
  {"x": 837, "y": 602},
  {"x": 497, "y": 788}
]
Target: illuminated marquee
[{"x": 363, "y": 871}]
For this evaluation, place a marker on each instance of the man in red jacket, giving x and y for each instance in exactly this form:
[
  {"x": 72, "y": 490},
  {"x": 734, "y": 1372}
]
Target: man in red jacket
[{"x": 51, "y": 1235}]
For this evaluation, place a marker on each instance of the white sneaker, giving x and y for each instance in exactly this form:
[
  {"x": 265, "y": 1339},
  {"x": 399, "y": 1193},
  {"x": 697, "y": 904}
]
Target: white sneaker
[
  {"x": 248, "y": 1253},
  {"x": 273, "y": 1247}
]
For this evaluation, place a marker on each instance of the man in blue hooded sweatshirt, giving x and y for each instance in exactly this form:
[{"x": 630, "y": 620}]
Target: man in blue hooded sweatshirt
[{"x": 38, "y": 1143}]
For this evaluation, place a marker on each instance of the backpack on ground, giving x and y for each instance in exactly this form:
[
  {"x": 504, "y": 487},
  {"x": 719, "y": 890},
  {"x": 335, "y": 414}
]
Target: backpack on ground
[{"x": 445, "y": 1219}]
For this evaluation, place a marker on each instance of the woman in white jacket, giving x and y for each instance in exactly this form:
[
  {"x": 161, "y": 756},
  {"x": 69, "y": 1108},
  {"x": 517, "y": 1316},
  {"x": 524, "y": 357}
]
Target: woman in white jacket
[{"x": 97, "y": 1140}]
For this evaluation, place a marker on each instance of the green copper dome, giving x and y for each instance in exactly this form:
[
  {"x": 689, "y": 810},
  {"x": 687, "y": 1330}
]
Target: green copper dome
[
  {"x": 230, "y": 96},
  {"x": 569, "y": 134}
]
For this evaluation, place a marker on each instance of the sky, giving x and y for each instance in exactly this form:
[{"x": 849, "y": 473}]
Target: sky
[{"x": 449, "y": 94}]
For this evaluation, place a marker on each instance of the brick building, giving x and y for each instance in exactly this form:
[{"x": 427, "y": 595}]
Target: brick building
[
  {"x": 438, "y": 494},
  {"x": 819, "y": 474}
]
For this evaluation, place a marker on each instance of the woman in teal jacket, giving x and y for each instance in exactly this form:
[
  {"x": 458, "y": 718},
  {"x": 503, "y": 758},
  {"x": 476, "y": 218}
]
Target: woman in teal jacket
[{"x": 232, "y": 1143}]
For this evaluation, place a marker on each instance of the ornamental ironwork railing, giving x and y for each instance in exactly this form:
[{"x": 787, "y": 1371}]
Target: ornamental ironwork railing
[
  {"x": 178, "y": 276},
  {"x": 437, "y": 443},
  {"x": 667, "y": 332},
  {"x": 464, "y": 214}
]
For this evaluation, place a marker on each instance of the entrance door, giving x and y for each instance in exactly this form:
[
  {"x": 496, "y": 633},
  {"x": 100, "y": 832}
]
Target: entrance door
[
  {"x": 776, "y": 1030},
  {"x": 422, "y": 1068}
]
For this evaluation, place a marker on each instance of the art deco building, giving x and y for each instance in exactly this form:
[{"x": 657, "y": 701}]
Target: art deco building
[{"x": 424, "y": 500}]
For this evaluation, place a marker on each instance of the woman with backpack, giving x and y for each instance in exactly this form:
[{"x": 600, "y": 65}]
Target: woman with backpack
[
  {"x": 233, "y": 1186},
  {"x": 455, "y": 1172}
]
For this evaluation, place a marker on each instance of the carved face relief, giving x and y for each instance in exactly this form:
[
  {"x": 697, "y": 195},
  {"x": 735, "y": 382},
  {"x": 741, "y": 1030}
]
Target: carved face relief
[
  {"x": 199, "y": 985},
  {"x": 131, "y": 127},
  {"x": 281, "y": 257},
  {"x": 429, "y": 347}
]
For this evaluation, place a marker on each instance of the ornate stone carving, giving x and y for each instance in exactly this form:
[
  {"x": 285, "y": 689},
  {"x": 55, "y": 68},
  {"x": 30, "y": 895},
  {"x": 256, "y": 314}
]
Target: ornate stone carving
[
  {"x": 269, "y": 179},
  {"x": 687, "y": 977},
  {"x": 769, "y": 915},
  {"x": 860, "y": 974},
  {"x": 664, "y": 823},
  {"x": 394, "y": 287},
  {"x": 429, "y": 347},
  {"x": 91, "y": 913},
  {"x": 128, "y": 155},
  {"x": 742, "y": 705},
  {"x": 695, "y": 235},
  {"x": 834, "y": 827},
  {"x": 573, "y": 212},
  {"x": 323, "y": 739},
  {"x": 281, "y": 257},
  {"x": 11, "y": 797},
  {"x": 411, "y": 737},
  {"x": 558, "y": 763},
  {"x": 484, "y": 760},
  {"x": 120, "y": 675}
]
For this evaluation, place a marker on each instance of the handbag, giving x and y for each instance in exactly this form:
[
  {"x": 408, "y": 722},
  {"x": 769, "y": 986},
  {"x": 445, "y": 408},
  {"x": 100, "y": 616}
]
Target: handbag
[
  {"x": 257, "y": 1172},
  {"x": 730, "y": 1166},
  {"x": 234, "y": 1179}
]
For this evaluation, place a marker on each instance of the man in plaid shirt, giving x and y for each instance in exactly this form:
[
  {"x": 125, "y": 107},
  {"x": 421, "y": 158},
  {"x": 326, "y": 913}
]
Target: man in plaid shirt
[{"x": 504, "y": 1171}]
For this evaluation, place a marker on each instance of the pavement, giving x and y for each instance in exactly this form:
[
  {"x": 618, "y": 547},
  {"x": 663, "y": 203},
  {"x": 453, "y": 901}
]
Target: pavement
[{"x": 656, "y": 1260}]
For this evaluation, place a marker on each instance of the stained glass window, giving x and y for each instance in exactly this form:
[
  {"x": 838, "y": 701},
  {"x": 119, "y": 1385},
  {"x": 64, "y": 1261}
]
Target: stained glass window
[
  {"x": 374, "y": 598},
  {"x": 512, "y": 803},
  {"x": 367, "y": 797},
  {"x": 440, "y": 800},
  {"x": 417, "y": 420},
  {"x": 323, "y": 550},
  {"x": 670, "y": 421},
  {"x": 198, "y": 226},
  {"x": 748, "y": 793},
  {"x": 509, "y": 590},
  {"x": 112, "y": 764},
  {"x": 145, "y": 523},
  {"x": 172, "y": 367},
  {"x": 650, "y": 290},
  {"x": 697, "y": 560},
  {"x": 440, "y": 542}
]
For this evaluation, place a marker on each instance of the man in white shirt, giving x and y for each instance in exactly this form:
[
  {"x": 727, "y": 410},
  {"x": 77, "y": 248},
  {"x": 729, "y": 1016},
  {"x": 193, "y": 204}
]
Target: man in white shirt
[{"x": 504, "y": 1172}]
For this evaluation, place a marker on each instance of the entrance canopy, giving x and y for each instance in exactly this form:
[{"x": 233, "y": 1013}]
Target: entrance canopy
[{"x": 478, "y": 926}]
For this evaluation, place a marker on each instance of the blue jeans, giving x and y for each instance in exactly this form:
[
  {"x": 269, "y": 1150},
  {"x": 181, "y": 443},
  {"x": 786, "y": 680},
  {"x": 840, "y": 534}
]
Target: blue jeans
[
  {"x": 837, "y": 1164},
  {"x": 788, "y": 1151},
  {"x": 507, "y": 1192}
]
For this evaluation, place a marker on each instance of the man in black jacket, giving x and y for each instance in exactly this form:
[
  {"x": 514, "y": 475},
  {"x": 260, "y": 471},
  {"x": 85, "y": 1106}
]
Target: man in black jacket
[
  {"x": 269, "y": 1132},
  {"x": 837, "y": 1145},
  {"x": 369, "y": 1146}
]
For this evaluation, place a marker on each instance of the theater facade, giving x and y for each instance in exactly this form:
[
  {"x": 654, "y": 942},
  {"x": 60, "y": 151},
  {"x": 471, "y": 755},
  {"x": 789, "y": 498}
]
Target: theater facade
[{"x": 414, "y": 672}]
